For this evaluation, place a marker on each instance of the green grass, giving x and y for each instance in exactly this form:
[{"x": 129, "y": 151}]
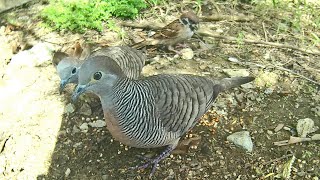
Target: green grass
[
  {"x": 300, "y": 18},
  {"x": 80, "y": 15}
]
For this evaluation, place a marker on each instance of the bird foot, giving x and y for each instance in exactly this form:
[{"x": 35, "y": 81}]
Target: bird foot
[
  {"x": 182, "y": 45},
  {"x": 170, "y": 48},
  {"x": 154, "y": 161}
]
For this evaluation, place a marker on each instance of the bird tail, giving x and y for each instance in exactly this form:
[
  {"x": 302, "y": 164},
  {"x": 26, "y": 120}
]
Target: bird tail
[
  {"x": 228, "y": 83},
  {"x": 139, "y": 45}
]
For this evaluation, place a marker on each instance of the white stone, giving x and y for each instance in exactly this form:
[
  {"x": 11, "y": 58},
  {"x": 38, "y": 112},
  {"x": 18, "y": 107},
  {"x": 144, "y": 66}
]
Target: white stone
[
  {"x": 305, "y": 127},
  {"x": 233, "y": 59},
  {"x": 84, "y": 127},
  {"x": 187, "y": 53},
  {"x": 241, "y": 139},
  {"x": 67, "y": 173},
  {"x": 98, "y": 123},
  {"x": 70, "y": 108},
  {"x": 36, "y": 56}
]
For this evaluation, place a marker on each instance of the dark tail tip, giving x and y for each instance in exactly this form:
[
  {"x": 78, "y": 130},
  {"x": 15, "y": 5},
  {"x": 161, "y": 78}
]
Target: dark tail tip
[{"x": 233, "y": 82}]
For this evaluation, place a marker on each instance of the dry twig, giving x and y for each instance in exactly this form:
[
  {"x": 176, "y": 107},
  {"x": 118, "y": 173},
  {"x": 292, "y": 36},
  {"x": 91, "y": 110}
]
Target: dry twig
[
  {"x": 240, "y": 18},
  {"x": 279, "y": 68},
  {"x": 278, "y": 45},
  {"x": 278, "y": 159}
]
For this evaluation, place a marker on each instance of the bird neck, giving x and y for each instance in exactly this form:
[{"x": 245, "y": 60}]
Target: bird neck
[{"x": 111, "y": 94}]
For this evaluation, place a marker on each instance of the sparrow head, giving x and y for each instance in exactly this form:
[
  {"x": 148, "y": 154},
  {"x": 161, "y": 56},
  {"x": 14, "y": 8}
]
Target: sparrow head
[{"x": 191, "y": 19}]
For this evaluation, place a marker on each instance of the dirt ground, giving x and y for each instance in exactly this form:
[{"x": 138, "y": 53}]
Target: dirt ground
[{"x": 43, "y": 136}]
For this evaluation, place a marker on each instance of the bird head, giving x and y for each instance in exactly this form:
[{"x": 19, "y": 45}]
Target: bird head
[
  {"x": 67, "y": 70},
  {"x": 98, "y": 75},
  {"x": 191, "y": 19}
]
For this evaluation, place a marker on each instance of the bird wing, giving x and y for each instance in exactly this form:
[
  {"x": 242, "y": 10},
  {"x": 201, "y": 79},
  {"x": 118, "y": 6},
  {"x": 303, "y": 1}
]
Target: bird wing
[
  {"x": 169, "y": 31},
  {"x": 182, "y": 100}
]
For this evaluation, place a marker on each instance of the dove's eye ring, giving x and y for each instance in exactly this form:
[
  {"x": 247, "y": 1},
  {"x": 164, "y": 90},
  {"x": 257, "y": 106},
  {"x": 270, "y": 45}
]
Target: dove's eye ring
[{"x": 97, "y": 75}]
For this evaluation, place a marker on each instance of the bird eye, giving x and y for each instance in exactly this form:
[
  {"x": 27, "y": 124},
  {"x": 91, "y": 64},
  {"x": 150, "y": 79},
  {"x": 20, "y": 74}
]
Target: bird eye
[
  {"x": 97, "y": 75},
  {"x": 74, "y": 70},
  {"x": 185, "y": 21}
]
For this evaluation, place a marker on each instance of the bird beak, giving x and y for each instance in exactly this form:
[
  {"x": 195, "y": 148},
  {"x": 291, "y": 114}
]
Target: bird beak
[
  {"x": 63, "y": 84},
  {"x": 78, "y": 91},
  {"x": 195, "y": 27}
]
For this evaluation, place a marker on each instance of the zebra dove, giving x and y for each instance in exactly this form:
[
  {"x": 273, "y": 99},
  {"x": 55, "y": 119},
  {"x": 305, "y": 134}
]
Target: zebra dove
[
  {"x": 153, "y": 111},
  {"x": 129, "y": 59}
]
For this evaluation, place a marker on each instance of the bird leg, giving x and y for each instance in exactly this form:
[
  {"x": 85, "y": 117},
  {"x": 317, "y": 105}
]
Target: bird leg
[
  {"x": 170, "y": 48},
  {"x": 156, "y": 160},
  {"x": 183, "y": 45}
]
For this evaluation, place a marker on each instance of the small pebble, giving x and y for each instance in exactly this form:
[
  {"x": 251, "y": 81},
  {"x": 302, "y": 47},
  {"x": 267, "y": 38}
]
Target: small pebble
[
  {"x": 241, "y": 139},
  {"x": 85, "y": 109},
  {"x": 187, "y": 53},
  {"x": 69, "y": 108},
  {"x": 84, "y": 127},
  {"x": 305, "y": 127},
  {"x": 279, "y": 127},
  {"x": 67, "y": 173},
  {"x": 97, "y": 123}
]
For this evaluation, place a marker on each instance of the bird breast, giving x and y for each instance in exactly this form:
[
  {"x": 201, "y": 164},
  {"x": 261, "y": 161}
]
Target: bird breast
[{"x": 116, "y": 131}]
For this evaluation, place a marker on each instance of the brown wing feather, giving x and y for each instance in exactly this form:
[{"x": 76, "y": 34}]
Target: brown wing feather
[{"x": 169, "y": 31}]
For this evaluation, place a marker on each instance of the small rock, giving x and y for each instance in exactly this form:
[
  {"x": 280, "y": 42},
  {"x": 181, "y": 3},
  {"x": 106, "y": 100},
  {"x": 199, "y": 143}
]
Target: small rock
[
  {"x": 84, "y": 127},
  {"x": 67, "y": 173},
  {"x": 85, "y": 109},
  {"x": 187, "y": 53},
  {"x": 104, "y": 177},
  {"x": 268, "y": 91},
  {"x": 233, "y": 59},
  {"x": 75, "y": 129},
  {"x": 267, "y": 79},
  {"x": 70, "y": 108},
  {"x": 305, "y": 127},
  {"x": 236, "y": 72},
  {"x": 39, "y": 54},
  {"x": 241, "y": 139},
  {"x": 279, "y": 127},
  {"x": 97, "y": 123},
  {"x": 315, "y": 137}
]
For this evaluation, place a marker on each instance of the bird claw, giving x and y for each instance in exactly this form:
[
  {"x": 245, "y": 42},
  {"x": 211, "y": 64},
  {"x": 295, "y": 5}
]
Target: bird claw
[
  {"x": 144, "y": 166},
  {"x": 154, "y": 161},
  {"x": 143, "y": 158}
]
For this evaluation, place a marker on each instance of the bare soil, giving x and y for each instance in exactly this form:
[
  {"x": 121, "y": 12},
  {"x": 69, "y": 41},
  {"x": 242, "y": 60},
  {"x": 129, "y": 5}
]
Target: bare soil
[{"x": 39, "y": 141}]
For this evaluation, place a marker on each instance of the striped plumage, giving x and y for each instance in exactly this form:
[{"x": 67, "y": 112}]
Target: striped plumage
[
  {"x": 157, "y": 110},
  {"x": 129, "y": 59},
  {"x": 153, "y": 111}
]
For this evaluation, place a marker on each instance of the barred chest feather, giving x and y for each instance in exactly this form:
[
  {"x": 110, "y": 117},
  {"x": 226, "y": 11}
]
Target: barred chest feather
[{"x": 116, "y": 131}]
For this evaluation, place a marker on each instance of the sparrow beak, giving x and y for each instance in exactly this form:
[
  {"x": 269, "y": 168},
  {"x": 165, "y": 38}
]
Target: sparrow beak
[
  {"x": 78, "y": 91},
  {"x": 194, "y": 27}
]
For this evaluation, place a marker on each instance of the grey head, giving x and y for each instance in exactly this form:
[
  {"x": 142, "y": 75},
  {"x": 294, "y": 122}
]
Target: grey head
[
  {"x": 67, "y": 70},
  {"x": 98, "y": 74}
]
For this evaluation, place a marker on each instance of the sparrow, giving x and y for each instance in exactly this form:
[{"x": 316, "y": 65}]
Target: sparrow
[{"x": 177, "y": 31}]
